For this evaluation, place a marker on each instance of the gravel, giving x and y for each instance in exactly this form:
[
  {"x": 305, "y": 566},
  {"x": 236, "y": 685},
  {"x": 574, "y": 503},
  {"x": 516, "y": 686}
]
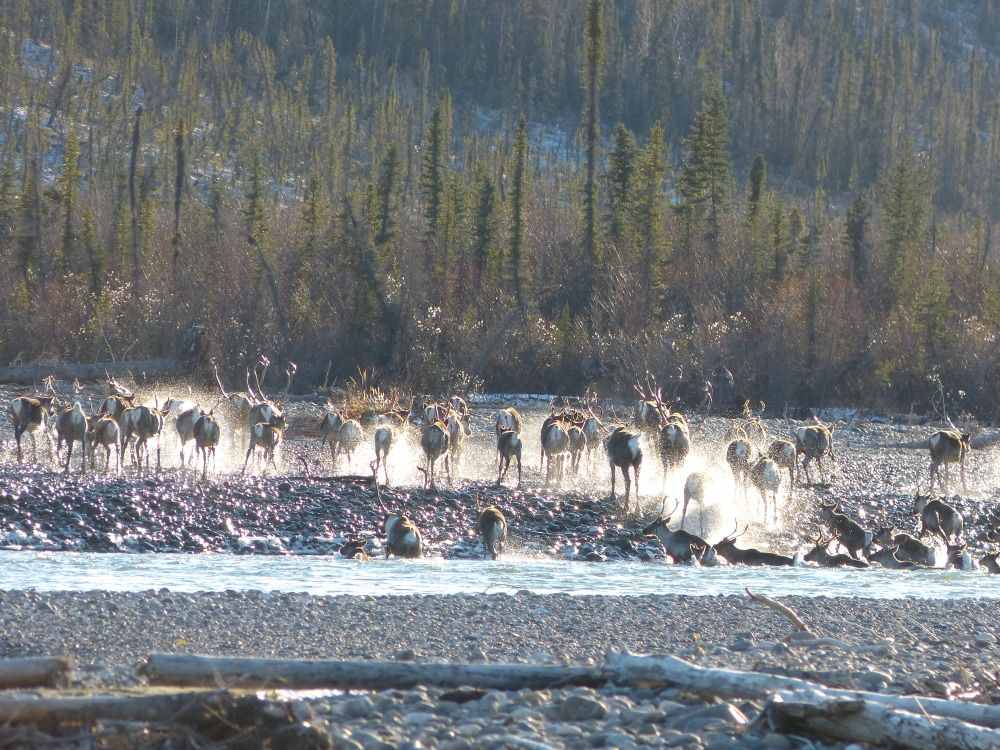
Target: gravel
[{"x": 932, "y": 648}]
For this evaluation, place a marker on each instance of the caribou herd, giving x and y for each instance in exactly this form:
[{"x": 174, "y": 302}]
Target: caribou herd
[{"x": 567, "y": 438}]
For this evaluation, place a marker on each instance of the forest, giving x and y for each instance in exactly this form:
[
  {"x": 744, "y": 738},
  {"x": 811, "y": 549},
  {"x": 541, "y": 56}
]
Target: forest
[{"x": 511, "y": 195}]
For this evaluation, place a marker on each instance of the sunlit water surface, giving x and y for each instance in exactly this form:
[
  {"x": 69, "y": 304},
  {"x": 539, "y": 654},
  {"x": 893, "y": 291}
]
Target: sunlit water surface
[{"x": 331, "y": 575}]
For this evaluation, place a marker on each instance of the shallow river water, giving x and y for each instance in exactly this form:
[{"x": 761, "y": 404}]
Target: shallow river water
[{"x": 331, "y": 575}]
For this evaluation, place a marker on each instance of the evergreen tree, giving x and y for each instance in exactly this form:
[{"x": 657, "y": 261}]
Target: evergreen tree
[
  {"x": 621, "y": 191},
  {"x": 706, "y": 179},
  {"x": 855, "y": 228},
  {"x": 69, "y": 180},
  {"x": 756, "y": 183},
  {"x": 436, "y": 157},
  {"x": 486, "y": 232},
  {"x": 594, "y": 42},
  {"x": 390, "y": 171},
  {"x": 178, "y": 188},
  {"x": 518, "y": 191},
  {"x": 648, "y": 212},
  {"x": 905, "y": 207}
]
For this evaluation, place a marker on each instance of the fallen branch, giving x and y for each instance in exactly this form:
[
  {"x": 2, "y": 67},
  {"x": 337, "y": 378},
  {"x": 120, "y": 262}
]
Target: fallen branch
[
  {"x": 32, "y": 672},
  {"x": 858, "y": 720},
  {"x": 193, "y": 670},
  {"x": 669, "y": 671},
  {"x": 781, "y": 608}
]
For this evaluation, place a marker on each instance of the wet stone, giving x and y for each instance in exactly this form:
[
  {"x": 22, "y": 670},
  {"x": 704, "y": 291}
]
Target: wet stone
[{"x": 580, "y": 708}]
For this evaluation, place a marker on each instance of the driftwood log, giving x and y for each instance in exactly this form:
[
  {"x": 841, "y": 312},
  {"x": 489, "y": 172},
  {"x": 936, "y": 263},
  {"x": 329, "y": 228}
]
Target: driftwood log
[
  {"x": 856, "y": 720},
  {"x": 626, "y": 668},
  {"x": 199, "y": 671},
  {"x": 173, "y": 707},
  {"x": 43, "y": 671},
  {"x": 980, "y": 442},
  {"x": 622, "y": 668},
  {"x": 31, "y": 374}
]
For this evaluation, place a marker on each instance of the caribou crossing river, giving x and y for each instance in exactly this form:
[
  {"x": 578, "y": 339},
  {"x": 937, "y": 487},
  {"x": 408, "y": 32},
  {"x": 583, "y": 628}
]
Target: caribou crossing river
[
  {"x": 332, "y": 575},
  {"x": 872, "y": 477}
]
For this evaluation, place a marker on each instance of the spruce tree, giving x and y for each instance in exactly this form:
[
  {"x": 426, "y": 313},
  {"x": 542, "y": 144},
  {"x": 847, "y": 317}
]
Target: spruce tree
[
  {"x": 69, "y": 180},
  {"x": 518, "y": 229},
  {"x": 706, "y": 180},
  {"x": 594, "y": 41}
]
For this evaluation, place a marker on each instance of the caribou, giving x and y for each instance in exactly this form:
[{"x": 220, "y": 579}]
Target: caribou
[
  {"x": 492, "y": 526},
  {"x": 728, "y": 550},
  {"x": 782, "y": 452},
  {"x": 948, "y": 447},
  {"x": 206, "y": 438},
  {"x": 814, "y": 442},
  {"x": 402, "y": 537},
  {"x": 384, "y": 437},
  {"x": 937, "y": 517},
  {"x": 103, "y": 430},
  {"x": 850, "y": 534},
  {"x": 143, "y": 423},
  {"x": 508, "y": 419},
  {"x": 267, "y": 437},
  {"x": 740, "y": 455},
  {"x": 71, "y": 427},
  {"x": 29, "y": 415},
  {"x": 907, "y": 547},
  {"x": 555, "y": 445},
  {"x": 435, "y": 441},
  {"x": 820, "y": 554},
  {"x": 681, "y": 546},
  {"x": 695, "y": 488},
  {"x": 185, "y": 428},
  {"x": 624, "y": 453},
  {"x": 766, "y": 478},
  {"x": 508, "y": 447},
  {"x": 354, "y": 549}
]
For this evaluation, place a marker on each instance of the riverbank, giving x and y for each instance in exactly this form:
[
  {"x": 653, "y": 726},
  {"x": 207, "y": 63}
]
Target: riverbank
[{"x": 928, "y": 648}]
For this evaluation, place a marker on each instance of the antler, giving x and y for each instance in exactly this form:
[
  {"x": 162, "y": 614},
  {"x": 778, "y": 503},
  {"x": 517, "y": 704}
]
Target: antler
[
  {"x": 290, "y": 372},
  {"x": 222, "y": 388}
]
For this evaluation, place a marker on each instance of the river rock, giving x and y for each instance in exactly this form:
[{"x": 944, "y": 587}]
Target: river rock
[{"x": 581, "y": 708}]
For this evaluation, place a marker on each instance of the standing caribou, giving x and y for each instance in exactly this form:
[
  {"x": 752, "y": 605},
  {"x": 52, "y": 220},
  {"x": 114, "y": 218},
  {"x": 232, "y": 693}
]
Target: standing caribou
[
  {"x": 948, "y": 447},
  {"x": 144, "y": 423},
  {"x": 435, "y": 440},
  {"x": 385, "y": 435},
  {"x": 555, "y": 445},
  {"x": 508, "y": 447},
  {"x": 624, "y": 453},
  {"x": 814, "y": 442},
  {"x": 206, "y": 439},
  {"x": 71, "y": 427},
  {"x": 29, "y": 415}
]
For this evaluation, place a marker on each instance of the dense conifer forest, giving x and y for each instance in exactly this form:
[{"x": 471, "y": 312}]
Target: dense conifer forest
[{"x": 523, "y": 195}]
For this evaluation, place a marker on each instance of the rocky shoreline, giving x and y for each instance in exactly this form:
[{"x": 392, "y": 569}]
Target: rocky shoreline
[{"x": 931, "y": 648}]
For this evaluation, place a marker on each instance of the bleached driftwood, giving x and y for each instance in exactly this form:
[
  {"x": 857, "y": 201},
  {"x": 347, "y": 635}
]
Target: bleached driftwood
[
  {"x": 876, "y": 648},
  {"x": 622, "y": 668},
  {"x": 173, "y": 707},
  {"x": 980, "y": 442},
  {"x": 32, "y": 672},
  {"x": 782, "y": 609},
  {"x": 626, "y": 668},
  {"x": 857, "y": 720},
  {"x": 193, "y": 670}
]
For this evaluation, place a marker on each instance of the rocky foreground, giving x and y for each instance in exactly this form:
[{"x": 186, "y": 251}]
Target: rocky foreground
[{"x": 930, "y": 648}]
